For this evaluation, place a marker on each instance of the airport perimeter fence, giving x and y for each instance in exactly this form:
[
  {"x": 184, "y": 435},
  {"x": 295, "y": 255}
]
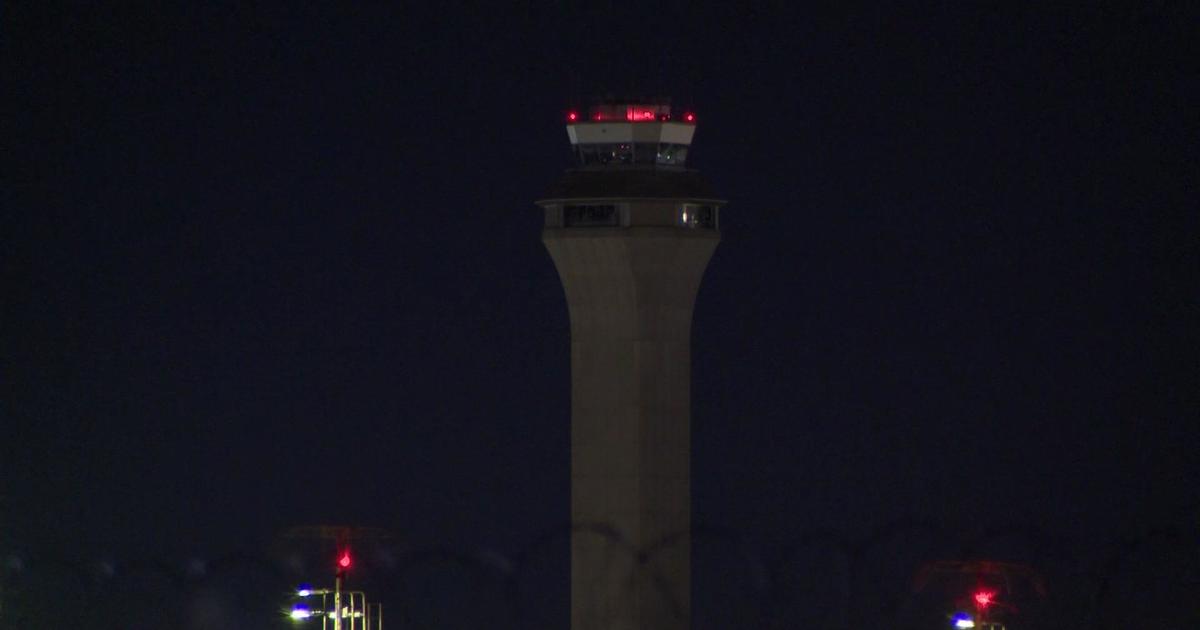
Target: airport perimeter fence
[{"x": 819, "y": 580}]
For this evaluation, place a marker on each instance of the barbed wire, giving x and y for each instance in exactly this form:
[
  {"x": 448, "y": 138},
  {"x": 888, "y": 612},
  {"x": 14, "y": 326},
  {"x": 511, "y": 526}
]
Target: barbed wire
[{"x": 816, "y": 579}]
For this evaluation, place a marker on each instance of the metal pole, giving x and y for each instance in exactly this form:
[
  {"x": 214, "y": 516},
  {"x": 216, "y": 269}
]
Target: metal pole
[{"x": 337, "y": 601}]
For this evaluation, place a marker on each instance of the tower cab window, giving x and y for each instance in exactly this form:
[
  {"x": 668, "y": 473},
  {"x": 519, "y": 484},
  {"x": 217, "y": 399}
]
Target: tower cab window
[
  {"x": 671, "y": 154},
  {"x": 591, "y": 216},
  {"x": 590, "y": 154},
  {"x": 638, "y": 153},
  {"x": 697, "y": 216}
]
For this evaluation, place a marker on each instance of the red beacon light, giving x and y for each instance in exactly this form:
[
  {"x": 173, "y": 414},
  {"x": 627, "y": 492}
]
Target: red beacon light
[
  {"x": 344, "y": 560},
  {"x": 572, "y": 116},
  {"x": 689, "y": 117},
  {"x": 983, "y": 599}
]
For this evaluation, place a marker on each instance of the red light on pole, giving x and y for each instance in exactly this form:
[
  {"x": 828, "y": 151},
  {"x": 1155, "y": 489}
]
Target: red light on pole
[
  {"x": 690, "y": 117},
  {"x": 344, "y": 560},
  {"x": 984, "y": 598},
  {"x": 572, "y": 116}
]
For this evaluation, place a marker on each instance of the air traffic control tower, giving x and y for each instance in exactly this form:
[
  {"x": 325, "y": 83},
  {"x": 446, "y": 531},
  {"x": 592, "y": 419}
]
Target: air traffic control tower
[{"x": 630, "y": 229}]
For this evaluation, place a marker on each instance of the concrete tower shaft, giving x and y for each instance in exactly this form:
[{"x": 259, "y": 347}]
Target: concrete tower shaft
[
  {"x": 631, "y": 231},
  {"x": 630, "y": 298}
]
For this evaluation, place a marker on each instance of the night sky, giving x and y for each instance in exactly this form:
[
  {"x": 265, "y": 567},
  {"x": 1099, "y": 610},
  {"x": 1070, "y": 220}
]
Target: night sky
[{"x": 272, "y": 266}]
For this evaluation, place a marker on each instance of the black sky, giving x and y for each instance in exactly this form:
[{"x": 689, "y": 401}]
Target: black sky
[{"x": 266, "y": 266}]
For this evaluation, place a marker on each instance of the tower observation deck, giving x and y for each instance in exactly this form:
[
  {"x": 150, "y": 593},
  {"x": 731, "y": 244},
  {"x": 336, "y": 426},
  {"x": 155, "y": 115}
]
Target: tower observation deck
[{"x": 630, "y": 229}]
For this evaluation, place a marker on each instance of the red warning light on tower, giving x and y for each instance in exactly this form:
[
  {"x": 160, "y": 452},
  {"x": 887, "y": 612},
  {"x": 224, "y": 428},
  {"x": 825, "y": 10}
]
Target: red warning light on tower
[
  {"x": 983, "y": 599},
  {"x": 344, "y": 560}
]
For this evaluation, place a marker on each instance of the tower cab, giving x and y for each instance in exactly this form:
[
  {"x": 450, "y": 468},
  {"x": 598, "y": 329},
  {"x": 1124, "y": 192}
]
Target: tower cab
[
  {"x": 628, "y": 134},
  {"x": 631, "y": 170}
]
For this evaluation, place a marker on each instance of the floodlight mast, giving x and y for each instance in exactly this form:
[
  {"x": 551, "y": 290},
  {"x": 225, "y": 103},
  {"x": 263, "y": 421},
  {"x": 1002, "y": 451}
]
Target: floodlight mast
[{"x": 630, "y": 229}]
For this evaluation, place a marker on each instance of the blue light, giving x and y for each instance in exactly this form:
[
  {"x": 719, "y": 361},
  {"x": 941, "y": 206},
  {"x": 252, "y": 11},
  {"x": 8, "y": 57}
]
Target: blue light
[
  {"x": 963, "y": 620},
  {"x": 300, "y": 611},
  {"x": 305, "y": 590}
]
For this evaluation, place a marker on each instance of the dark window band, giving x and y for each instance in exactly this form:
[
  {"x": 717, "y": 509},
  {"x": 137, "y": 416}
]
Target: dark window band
[{"x": 591, "y": 216}]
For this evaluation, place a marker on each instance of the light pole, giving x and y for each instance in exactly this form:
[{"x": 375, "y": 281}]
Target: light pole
[
  {"x": 341, "y": 535},
  {"x": 343, "y": 563}
]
